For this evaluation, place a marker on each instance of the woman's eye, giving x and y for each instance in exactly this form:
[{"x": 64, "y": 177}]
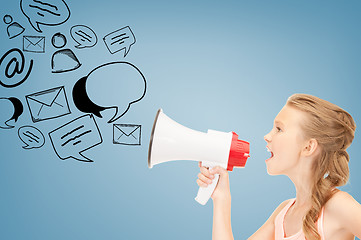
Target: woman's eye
[{"x": 279, "y": 129}]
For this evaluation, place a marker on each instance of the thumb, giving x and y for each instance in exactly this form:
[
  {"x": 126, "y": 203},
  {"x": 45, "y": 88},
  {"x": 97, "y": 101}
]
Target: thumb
[
  {"x": 219, "y": 170},
  {"x": 222, "y": 189}
]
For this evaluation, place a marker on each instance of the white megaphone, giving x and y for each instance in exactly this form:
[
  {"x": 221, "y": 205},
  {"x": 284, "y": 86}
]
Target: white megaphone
[{"x": 170, "y": 141}]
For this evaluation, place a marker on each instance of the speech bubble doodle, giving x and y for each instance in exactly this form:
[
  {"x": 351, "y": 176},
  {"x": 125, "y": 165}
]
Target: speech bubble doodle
[
  {"x": 31, "y": 136},
  {"x": 120, "y": 39},
  {"x": 75, "y": 137},
  {"x": 82, "y": 101},
  {"x": 84, "y": 36},
  {"x": 46, "y": 12},
  {"x": 12, "y": 64},
  {"x": 114, "y": 85},
  {"x": 11, "y": 109},
  {"x": 7, "y": 112}
]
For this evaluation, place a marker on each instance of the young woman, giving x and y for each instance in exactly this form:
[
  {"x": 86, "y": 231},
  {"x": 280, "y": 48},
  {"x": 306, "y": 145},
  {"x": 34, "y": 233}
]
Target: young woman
[{"x": 308, "y": 144}]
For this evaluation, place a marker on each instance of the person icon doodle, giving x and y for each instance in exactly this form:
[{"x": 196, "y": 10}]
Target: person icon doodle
[
  {"x": 14, "y": 29},
  {"x": 63, "y": 60}
]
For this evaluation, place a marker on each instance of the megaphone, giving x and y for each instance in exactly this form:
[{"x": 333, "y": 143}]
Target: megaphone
[{"x": 171, "y": 141}]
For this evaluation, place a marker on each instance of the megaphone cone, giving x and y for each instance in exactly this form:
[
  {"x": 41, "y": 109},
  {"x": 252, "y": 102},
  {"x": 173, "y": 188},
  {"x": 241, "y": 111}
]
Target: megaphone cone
[{"x": 171, "y": 141}]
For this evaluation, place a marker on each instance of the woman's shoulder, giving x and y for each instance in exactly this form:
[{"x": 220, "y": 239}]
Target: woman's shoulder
[
  {"x": 267, "y": 231},
  {"x": 343, "y": 212},
  {"x": 282, "y": 205},
  {"x": 339, "y": 202},
  {"x": 341, "y": 207},
  {"x": 285, "y": 203},
  {"x": 279, "y": 208}
]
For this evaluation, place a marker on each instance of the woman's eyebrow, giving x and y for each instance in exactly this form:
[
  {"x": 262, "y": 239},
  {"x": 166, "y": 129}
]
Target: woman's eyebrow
[{"x": 277, "y": 122}]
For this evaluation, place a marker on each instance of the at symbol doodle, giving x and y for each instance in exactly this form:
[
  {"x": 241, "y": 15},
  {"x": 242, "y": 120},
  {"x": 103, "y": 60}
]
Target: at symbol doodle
[{"x": 13, "y": 63}]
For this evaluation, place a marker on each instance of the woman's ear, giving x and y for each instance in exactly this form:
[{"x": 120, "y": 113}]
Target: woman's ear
[{"x": 310, "y": 148}]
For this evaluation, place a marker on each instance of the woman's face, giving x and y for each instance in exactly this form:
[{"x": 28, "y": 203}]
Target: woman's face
[{"x": 285, "y": 141}]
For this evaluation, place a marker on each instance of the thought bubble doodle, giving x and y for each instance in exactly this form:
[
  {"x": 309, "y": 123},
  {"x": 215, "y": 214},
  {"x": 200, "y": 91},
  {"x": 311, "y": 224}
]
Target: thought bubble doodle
[
  {"x": 31, "y": 136},
  {"x": 120, "y": 39},
  {"x": 113, "y": 85},
  {"x": 11, "y": 109},
  {"x": 46, "y": 12},
  {"x": 12, "y": 66},
  {"x": 84, "y": 36},
  {"x": 75, "y": 137}
]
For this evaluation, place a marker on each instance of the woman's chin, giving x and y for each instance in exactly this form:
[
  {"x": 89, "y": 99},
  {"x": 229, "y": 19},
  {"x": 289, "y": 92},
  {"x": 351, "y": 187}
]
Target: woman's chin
[{"x": 270, "y": 171}]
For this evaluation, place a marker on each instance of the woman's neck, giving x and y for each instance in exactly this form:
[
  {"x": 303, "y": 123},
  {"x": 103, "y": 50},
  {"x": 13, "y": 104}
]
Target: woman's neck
[{"x": 303, "y": 181}]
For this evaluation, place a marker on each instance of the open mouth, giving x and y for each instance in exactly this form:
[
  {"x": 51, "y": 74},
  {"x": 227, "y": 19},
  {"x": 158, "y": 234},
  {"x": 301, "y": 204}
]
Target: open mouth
[{"x": 269, "y": 150}]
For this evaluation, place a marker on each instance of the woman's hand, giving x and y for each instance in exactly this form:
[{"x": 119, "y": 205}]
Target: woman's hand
[
  {"x": 206, "y": 176},
  {"x": 221, "y": 197}
]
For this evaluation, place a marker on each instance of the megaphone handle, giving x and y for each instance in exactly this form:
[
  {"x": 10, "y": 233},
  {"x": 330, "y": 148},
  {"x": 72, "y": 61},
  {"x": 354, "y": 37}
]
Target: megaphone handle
[{"x": 204, "y": 194}]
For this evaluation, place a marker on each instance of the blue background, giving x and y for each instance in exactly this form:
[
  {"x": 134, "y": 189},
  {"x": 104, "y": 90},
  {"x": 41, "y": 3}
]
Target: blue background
[{"x": 227, "y": 66}]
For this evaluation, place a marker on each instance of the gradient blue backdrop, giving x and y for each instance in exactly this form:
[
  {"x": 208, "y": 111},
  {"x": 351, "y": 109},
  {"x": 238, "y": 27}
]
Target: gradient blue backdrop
[{"x": 228, "y": 66}]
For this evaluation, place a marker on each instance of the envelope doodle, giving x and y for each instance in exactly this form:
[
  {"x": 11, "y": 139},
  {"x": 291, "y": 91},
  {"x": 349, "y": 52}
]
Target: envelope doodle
[
  {"x": 35, "y": 44},
  {"x": 127, "y": 134},
  {"x": 48, "y": 104}
]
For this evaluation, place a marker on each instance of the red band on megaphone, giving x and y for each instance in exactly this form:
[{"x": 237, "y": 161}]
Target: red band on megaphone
[{"x": 238, "y": 153}]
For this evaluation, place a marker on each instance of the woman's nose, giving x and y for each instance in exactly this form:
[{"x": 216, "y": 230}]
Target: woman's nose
[{"x": 267, "y": 137}]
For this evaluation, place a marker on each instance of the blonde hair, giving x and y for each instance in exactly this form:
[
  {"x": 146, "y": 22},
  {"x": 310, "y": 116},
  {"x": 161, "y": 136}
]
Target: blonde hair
[{"x": 334, "y": 130}]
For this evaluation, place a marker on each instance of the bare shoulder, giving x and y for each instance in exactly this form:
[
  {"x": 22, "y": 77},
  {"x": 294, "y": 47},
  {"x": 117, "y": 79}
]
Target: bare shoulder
[
  {"x": 283, "y": 204},
  {"x": 344, "y": 212},
  {"x": 279, "y": 208},
  {"x": 340, "y": 203}
]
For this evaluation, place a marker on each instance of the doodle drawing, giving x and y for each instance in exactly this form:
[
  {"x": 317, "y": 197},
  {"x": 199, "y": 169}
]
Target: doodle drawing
[
  {"x": 46, "y": 12},
  {"x": 35, "y": 44},
  {"x": 13, "y": 29},
  {"x": 11, "y": 109},
  {"x": 126, "y": 134},
  {"x": 114, "y": 85},
  {"x": 31, "y": 137},
  {"x": 12, "y": 66},
  {"x": 63, "y": 60},
  {"x": 76, "y": 137},
  {"x": 84, "y": 36},
  {"x": 48, "y": 104},
  {"x": 120, "y": 39}
]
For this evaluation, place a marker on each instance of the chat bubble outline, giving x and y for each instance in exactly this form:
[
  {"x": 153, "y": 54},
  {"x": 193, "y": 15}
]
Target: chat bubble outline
[
  {"x": 127, "y": 31},
  {"x": 32, "y": 135},
  {"x": 116, "y": 116},
  {"x": 77, "y": 154},
  {"x": 29, "y": 6},
  {"x": 83, "y": 33},
  {"x": 7, "y": 114},
  {"x": 82, "y": 99},
  {"x": 18, "y": 109}
]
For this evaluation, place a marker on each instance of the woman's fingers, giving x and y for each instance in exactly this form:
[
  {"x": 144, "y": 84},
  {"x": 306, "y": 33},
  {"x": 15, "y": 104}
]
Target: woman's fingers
[
  {"x": 204, "y": 177},
  {"x": 205, "y": 171},
  {"x": 201, "y": 183}
]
